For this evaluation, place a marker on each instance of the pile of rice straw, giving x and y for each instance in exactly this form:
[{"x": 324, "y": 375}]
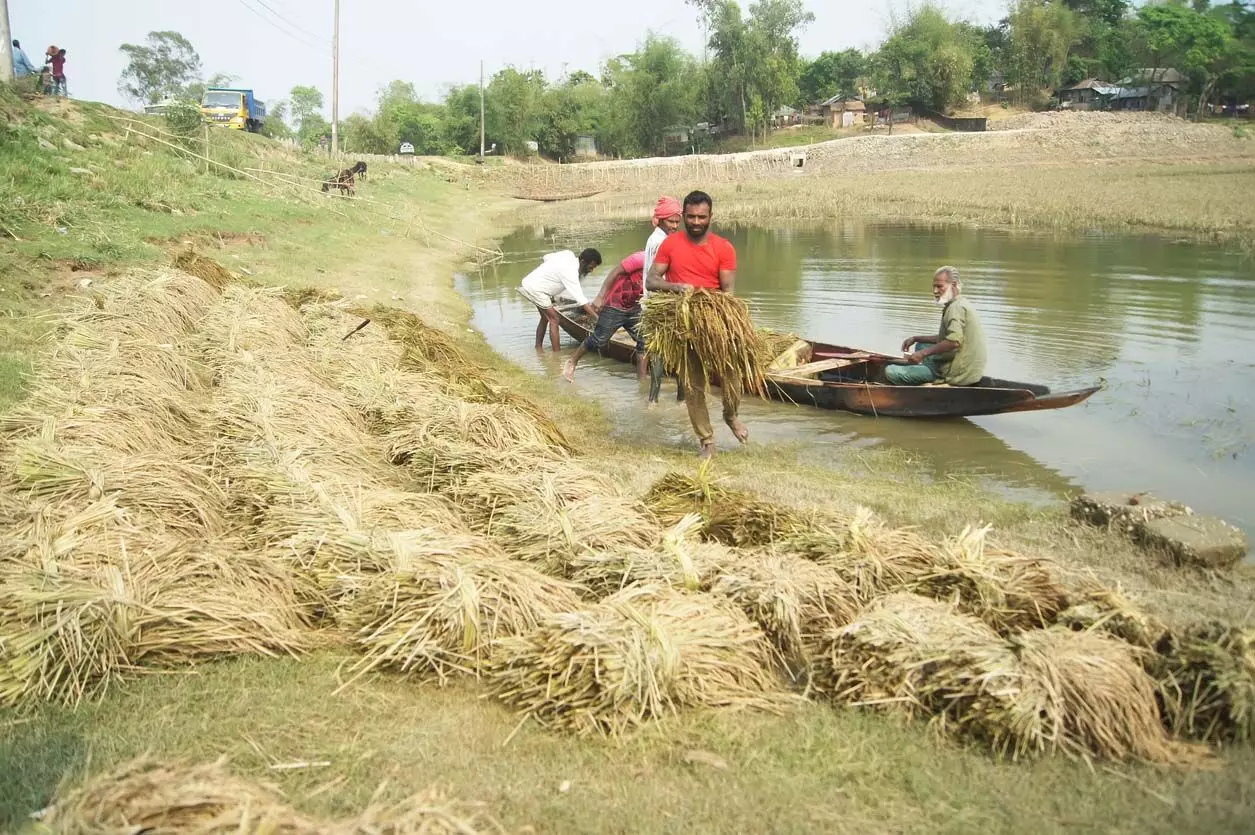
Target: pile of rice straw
[
  {"x": 552, "y": 535},
  {"x": 795, "y": 601},
  {"x": 1010, "y": 592},
  {"x": 712, "y": 328},
  {"x": 145, "y": 795},
  {"x": 644, "y": 653},
  {"x": 732, "y": 517},
  {"x": 1048, "y": 691},
  {"x": 1205, "y": 677},
  {"x": 679, "y": 560},
  {"x": 443, "y": 613}
]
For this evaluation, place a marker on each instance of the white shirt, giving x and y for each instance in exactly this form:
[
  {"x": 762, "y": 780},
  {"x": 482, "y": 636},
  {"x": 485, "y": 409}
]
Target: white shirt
[
  {"x": 651, "y": 251},
  {"x": 558, "y": 272}
]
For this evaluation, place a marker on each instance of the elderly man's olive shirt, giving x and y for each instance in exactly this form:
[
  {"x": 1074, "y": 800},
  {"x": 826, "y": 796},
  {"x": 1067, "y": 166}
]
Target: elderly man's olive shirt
[{"x": 960, "y": 324}]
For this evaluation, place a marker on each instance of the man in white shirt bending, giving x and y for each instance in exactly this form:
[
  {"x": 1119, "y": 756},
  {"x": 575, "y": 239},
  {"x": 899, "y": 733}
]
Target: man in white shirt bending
[{"x": 559, "y": 274}]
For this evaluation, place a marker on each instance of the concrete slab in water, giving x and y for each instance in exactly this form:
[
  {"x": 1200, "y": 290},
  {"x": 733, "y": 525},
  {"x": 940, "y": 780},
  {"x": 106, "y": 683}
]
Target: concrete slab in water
[
  {"x": 1124, "y": 511},
  {"x": 1195, "y": 540}
]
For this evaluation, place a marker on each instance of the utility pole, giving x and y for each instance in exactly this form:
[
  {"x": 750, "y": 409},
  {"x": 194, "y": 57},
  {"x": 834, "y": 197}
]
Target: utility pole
[
  {"x": 6, "y": 41},
  {"x": 335, "y": 81},
  {"x": 481, "y": 107}
]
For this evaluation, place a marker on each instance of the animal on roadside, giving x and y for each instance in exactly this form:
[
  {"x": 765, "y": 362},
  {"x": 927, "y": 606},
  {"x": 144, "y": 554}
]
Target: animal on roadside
[{"x": 346, "y": 179}]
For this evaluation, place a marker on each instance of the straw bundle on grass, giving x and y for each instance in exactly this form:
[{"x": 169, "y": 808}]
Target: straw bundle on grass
[
  {"x": 795, "y": 601},
  {"x": 919, "y": 656},
  {"x": 643, "y": 654},
  {"x": 147, "y": 796},
  {"x": 204, "y": 268},
  {"x": 421, "y": 342},
  {"x": 873, "y": 557},
  {"x": 713, "y": 328},
  {"x": 557, "y": 483},
  {"x": 1108, "y": 611},
  {"x": 182, "y": 495},
  {"x": 551, "y": 536},
  {"x": 147, "y": 304},
  {"x": 1008, "y": 591},
  {"x": 441, "y": 614},
  {"x": 1205, "y": 679},
  {"x": 733, "y": 517},
  {"x": 1084, "y": 694},
  {"x": 488, "y": 426},
  {"x": 680, "y": 561},
  {"x": 248, "y": 321}
]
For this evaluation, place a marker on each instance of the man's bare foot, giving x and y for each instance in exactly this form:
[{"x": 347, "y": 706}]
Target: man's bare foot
[
  {"x": 739, "y": 430},
  {"x": 568, "y": 371},
  {"x": 708, "y": 451},
  {"x": 651, "y": 404}
]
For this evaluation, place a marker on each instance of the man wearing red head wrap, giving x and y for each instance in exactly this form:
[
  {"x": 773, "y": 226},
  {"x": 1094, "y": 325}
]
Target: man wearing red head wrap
[{"x": 667, "y": 217}]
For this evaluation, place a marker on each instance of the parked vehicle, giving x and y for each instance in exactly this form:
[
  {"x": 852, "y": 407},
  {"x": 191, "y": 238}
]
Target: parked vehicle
[{"x": 233, "y": 108}]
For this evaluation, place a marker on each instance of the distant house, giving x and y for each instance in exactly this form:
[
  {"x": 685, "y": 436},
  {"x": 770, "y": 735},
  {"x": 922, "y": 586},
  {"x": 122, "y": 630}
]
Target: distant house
[
  {"x": 842, "y": 113},
  {"x": 586, "y": 145},
  {"x": 786, "y": 116},
  {"x": 1090, "y": 94},
  {"x": 1159, "y": 89}
]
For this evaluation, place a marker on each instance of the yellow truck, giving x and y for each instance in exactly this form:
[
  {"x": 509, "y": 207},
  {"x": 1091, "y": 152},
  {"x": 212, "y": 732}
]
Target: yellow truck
[{"x": 233, "y": 108}]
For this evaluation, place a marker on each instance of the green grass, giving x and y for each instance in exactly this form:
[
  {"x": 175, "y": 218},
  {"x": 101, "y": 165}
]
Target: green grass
[
  {"x": 785, "y": 138},
  {"x": 815, "y": 769}
]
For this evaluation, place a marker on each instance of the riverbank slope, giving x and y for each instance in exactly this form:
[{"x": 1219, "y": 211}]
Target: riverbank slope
[{"x": 399, "y": 243}]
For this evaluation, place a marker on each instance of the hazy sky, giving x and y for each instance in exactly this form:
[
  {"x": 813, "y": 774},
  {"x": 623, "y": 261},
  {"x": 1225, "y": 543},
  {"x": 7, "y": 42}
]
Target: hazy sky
[{"x": 274, "y": 44}]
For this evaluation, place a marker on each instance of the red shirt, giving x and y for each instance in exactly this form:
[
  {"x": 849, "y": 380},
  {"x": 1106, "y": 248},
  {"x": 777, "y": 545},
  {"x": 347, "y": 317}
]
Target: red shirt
[
  {"x": 58, "y": 66},
  {"x": 626, "y": 292},
  {"x": 696, "y": 264}
]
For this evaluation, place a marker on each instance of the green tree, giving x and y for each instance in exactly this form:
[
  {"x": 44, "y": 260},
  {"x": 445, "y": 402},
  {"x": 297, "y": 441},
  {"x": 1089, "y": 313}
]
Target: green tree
[
  {"x": 569, "y": 110},
  {"x": 276, "y": 124},
  {"x": 513, "y": 108},
  {"x": 164, "y": 66},
  {"x": 831, "y": 74},
  {"x": 360, "y": 134},
  {"x": 306, "y": 104},
  {"x": 1042, "y": 32},
  {"x": 927, "y": 61},
  {"x": 1194, "y": 42},
  {"x": 647, "y": 92},
  {"x": 460, "y": 129}
]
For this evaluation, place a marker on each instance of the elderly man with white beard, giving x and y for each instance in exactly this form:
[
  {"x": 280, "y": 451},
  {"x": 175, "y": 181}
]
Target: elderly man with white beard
[{"x": 956, "y": 354}]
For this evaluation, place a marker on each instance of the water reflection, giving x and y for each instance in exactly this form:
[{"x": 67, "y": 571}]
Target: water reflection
[{"x": 1164, "y": 324}]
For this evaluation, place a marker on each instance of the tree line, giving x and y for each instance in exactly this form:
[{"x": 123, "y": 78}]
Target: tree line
[{"x": 654, "y": 100}]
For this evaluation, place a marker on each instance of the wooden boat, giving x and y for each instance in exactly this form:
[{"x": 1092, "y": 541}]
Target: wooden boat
[
  {"x": 556, "y": 198},
  {"x": 837, "y": 377}
]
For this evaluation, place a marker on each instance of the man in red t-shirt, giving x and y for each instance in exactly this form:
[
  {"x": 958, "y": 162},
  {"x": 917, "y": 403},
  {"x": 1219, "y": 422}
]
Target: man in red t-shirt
[
  {"x": 619, "y": 301},
  {"x": 698, "y": 259}
]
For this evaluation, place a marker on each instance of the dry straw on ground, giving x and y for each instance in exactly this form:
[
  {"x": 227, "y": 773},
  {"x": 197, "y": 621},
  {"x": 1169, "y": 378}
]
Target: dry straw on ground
[
  {"x": 1205, "y": 677},
  {"x": 644, "y": 653},
  {"x": 148, "y": 796},
  {"x": 711, "y": 328},
  {"x": 733, "y": 517},
  {"x": 1048, "y": 691}
]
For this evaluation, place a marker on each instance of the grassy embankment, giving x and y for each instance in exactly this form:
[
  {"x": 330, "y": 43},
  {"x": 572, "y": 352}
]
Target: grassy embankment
[{"x": 814, "y": 769}]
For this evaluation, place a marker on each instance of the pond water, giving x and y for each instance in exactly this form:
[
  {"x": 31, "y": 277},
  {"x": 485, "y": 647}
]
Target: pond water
[{"x": 1167, "y": 326}]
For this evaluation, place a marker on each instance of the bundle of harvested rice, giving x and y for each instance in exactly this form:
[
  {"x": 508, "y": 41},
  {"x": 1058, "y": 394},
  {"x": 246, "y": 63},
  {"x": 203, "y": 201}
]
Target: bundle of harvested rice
[
  {"x": 146, "y": 304},
  {"x": 642, "y": 654},
  {"x": 184, "y": 496},
  {"x": 794, "y": 600},
  {"x": 556, "y": 482},
  {"x": 872, "y": 557},
  {"x": 774, "y": 344},
  {"x": 247, "y": 323},
  {"x": 147, "y": 796},
  {"x": 919, "y": 656},
  {"x": 69, "y": 629},
  {"x": 551, "y": 536},
  {"x": 711, "y": 328},
  {"x": 1104, "y": 610},
  {"x": 442, "y": 613},
  {"x": 441, "y": 465},
  {"x": 1084, "y": 694},
  {"x": 1205, "y": 678},
  {"x": 680, "y": 561},
  {"x": 733, "y": 517},
  {"x": 488, "y": 426},
  {"x": 1008, "y": 591},
  {"x": 423, "y": 344},
  {"x": 205, "y": 268}
]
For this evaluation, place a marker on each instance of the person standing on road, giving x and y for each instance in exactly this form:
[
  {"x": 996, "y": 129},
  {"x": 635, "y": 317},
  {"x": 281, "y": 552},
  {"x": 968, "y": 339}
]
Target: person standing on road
[
  {"x": 559, "y": 274},
  {"x": 699, "y": 259},
  {"x": 667, "y": 212}
]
